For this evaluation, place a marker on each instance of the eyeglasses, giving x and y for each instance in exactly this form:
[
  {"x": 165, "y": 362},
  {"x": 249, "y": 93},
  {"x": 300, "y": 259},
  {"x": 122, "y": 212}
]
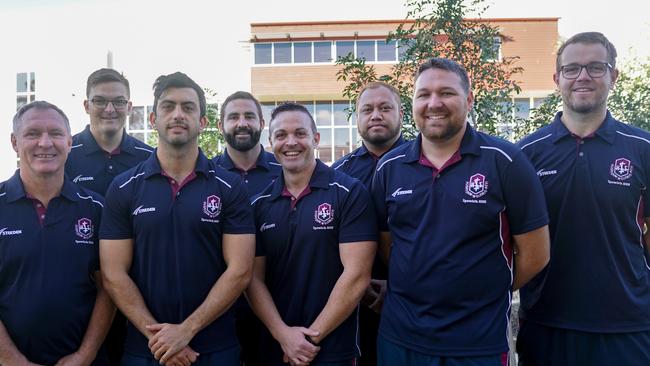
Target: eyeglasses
[
  {"x": 594, "y": 70},
  {"x": 103, "y": 103}
]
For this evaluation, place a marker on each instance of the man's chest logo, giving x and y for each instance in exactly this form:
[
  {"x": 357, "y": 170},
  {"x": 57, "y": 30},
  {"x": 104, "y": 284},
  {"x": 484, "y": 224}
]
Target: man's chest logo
[
  {"x": 324, "y": 214},
  {"x": 84, "y": 228},
  {"x": 621, "y": 169},
  {"x": 476, "y": 186},
  {"x": 212, "y": 206}
]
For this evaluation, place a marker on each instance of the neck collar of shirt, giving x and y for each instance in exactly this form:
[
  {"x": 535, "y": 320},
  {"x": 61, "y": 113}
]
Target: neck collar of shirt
[
  {"x": 152, "y": 165},
  {"x": 470, "y": 144},
  {"x": 16, "y": 190},
  {"x": 320, "y": 179},
  {"x": 262, "y": 161},
  {"x": 363, "y": 150},
  {"x": 606, "y": 131}
]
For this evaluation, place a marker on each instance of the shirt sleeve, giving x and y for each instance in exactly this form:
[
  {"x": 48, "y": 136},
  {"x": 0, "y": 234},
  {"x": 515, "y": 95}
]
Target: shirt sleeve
[
  {"x": 116, "y": 220},
  {"x": 237, "y": 212},
  {"x": 358, "y": 219},
  {"x": 378, "y": 194},
  {"x": 524, "y": 196}
]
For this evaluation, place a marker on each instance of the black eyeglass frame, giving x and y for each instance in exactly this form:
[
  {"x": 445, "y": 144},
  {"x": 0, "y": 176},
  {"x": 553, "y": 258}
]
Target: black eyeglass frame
[
  {"x": 587, "y": 67},
  {"x": 102, "y": 103}
]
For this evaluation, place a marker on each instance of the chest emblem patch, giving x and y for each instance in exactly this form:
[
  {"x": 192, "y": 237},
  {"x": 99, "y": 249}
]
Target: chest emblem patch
[
  {"x": 476, "y": 186},
  {"x": 621, "y": 169},
  {"x": 324, "y": 214},
  {"x": 84, "y": 228},
  {"x": 212, "y": 206}
]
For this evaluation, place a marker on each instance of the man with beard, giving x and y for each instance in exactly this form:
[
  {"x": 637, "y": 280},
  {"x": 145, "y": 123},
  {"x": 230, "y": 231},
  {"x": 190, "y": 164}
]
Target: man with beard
[
  {"x": 103, "y": 149},
  {"x": 177, "y": 241},
  {"x": 592, "y": 305},
  {"x": 241, "y": 125},
  {"x": 453, "y": 216},
  {"x": 379, "y": 121},
  {"x": 53, "y": 307}
]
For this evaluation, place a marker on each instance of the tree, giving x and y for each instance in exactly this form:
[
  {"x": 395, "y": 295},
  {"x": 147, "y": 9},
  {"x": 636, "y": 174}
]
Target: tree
[
  {"x": 629, "y": 102},
  {"x": 439, "y": 28},
  {"x": 210, "y": 138}
]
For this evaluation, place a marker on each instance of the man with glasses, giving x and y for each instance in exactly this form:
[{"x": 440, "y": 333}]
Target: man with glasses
[
  {"x": 102, "y": 151},
  {"x": 591, "y": 305}
]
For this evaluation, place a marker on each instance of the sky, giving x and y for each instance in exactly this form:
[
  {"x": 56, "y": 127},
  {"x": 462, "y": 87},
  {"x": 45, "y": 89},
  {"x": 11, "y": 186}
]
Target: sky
[{"x": 210, "y": 38}]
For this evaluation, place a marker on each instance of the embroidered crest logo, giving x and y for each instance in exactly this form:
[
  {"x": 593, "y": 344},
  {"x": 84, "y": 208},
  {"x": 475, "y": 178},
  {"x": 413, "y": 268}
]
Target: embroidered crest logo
[
  {"x": 212, "y": 206},
  {"x": 621, "y": 169},
  {"x": 476, "y": 186},
  {"x": 324, "y": 214},
  {"x": 84, "y": 228}
]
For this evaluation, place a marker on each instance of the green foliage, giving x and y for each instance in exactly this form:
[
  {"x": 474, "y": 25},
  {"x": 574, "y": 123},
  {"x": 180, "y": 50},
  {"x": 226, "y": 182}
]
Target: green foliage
[
  {"x": 439, "y": 29},
  {"x": 210, "y": 138},
  {"x": 540, "y": 116},
  {"x": 630, "y": 99}
]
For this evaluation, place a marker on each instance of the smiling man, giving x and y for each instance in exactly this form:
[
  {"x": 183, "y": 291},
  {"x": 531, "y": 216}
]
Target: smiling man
[
  {"x": 53, "y": 308},
  {"x": 315, "y": 244},
  {"x": 592, "y": 306},
  {"x": 177, "y": 242},
  {"x": 453, "y": 217},
  {"x": 103, "y": 149}
]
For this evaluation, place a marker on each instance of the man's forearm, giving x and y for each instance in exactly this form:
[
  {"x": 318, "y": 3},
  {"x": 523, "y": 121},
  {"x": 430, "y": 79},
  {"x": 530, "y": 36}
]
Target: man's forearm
[
  {"x": 9, "y": 353},
  {"x": 100, "y": 321},
  {"x": 262, "y": 304},
  {"x": 129, "y": 300}
]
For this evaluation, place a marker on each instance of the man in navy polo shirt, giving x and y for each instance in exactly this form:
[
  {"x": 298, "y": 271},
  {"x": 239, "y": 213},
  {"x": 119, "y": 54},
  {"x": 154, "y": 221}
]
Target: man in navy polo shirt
[
  {"x": 241, "y": 124},
  {"x": 461, "y": 206},
  {"x": 103, "y": 149},
  {"x": 315, "y": 243},
  {"x": 178, "y": 241},
  {"x": 379, "y": 121},
  {"x": 53, "y": 309},
  {"x": 592, "y": 306}
]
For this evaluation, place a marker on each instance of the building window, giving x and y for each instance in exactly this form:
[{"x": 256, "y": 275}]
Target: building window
[
  {"x": 273, "y": 53},
  {"x": 338, "y": 132},
  {"x": 138, "y": 123},
  {"x": 25, "y": 88},
  {"x": 366, "y": 50},
  {"x": 492, "y": 51},
  {"x": 386, "y": 51},
  {"x": 282, "y": 53},
  {"x": 522, "y": 107},
  {"x": 322, "y": 51},
  {"x": 263, "y": 53},
  {"x": 302, "y": 52},
  {"x": 344, "y": 48}
]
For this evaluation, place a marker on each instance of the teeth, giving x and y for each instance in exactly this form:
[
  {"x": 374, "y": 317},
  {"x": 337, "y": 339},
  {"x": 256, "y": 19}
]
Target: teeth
[
  {"x": 291, "y": 153},
  {"x": 44, "y": 155}
]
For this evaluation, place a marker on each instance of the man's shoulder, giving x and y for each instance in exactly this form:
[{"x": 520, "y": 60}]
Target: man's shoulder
[
  {"x": 131, "y": 177},
  {"x": 139, "y": 147},
  {"x": 346, "y": 159},
  {"x": 496, "y": 145},
  {"x": 632, "y": 134},
  {"x": 541, "y": 136},
  {"x": 395, "y": 155},
  {"x": 89, "y": 197}
]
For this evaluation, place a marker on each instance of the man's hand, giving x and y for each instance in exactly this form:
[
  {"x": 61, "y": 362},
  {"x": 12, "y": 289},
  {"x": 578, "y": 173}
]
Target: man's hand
[
  {"x": 184, "y": 357},
  {"x": 168, "y": 339},
  {"x": 378, "y": 287},
  {"x": 75, "y": 359},
  {"x": 297, "y": 349}
]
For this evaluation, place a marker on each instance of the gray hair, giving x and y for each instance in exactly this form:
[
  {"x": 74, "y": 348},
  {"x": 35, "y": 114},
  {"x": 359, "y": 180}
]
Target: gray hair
[{"x": 41, "y": 105}]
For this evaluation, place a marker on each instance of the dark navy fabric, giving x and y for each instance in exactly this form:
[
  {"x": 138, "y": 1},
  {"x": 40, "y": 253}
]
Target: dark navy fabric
[
  {"x": 266, "y": 170},
  {"x": 450, "y": 269},
  {"x": 391, "y": 354},
  {"x": 539, "y": 345},
  {"x": 90, "y": 166},
  {"x": 47, "y": 287},
  {"x": 596, "y": 189},
  {"x": 227, "y": 357},
  {"x": 177, "y": 255},
  {"x": 301, "y": 247}
]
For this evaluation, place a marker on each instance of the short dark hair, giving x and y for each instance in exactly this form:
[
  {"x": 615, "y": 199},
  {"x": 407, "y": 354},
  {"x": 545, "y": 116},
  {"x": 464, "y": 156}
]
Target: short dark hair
[
  {"x": 105, "y": 76},
  {"x": 292, "y": 107},
  {"x": 41, "y": 105},
  {"x": 376, "y": 85},
  {"x": 448, "y": 65},
  {"x": 588, "y": 38},
  {"x": 177, "y": 80},
  {"x": 240, "y": 95}
]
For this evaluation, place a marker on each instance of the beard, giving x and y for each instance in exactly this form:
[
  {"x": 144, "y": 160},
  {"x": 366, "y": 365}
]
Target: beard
[
  {"x": 239, "y": 145},
  {"x": 380, "y": 139}
]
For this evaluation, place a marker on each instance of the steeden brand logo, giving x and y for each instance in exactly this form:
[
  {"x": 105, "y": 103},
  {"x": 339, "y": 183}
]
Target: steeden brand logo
[
  {"x": 212, "y": 206},
  {"x": 621, "y": 169},
  {"x": 81, "y": 178},
  {"x": 399, "y": 192},
  {"x": 84, "y": 228},
  {"x": 476, "y": 186},
  {"x": 544, "y": 172},
  {"x": 140, "y": 210},
  {"x": 5, "y": 232},
  {"x": 266, "y": 226},
  {"x": 324, "y": 214}
]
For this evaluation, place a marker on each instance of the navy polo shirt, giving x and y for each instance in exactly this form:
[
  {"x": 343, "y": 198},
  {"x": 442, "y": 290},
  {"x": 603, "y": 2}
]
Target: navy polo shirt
[
  {"x": 92, "y": 167},
  {"x": 177, "y": 253},
  {"x": 450, "y": 268},
  {"x": 300, "y": 240},
  {"x": 265, "y": 171},
  {"x": 596, "y": 190},
  {"x": 47, "y": 290}
]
